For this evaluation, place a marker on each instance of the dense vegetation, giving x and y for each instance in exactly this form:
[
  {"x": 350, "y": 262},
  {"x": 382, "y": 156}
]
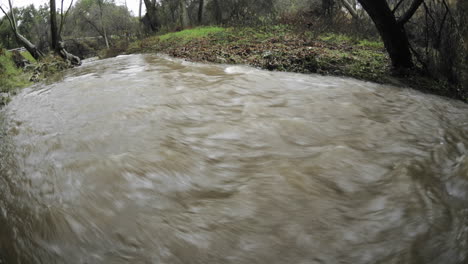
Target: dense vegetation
[{"x": 422, "y": 42}]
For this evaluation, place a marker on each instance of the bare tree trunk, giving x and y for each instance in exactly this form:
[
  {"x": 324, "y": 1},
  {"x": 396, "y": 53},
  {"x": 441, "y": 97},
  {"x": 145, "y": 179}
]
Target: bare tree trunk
[
  {"x": 103, "y": 28},
  {"x": 327, "y": 7},
  {"x": 53, "y": 26},
  {"x": 217, "y": 12},
  {"x": 139, "y": 9},
  {"x": 200, "y": 11},
  {"x": 63, "y": 16},
  {"x": 393, "y": 33},
  {"x": 151, "y": 18},
  {"x": 31, "y": 48},
  {"x": 57, "y": 45},
  {"x": 106, "y": 40},
  {"x": 351, "y": 7},
  {"x": 183, "y": 17}
]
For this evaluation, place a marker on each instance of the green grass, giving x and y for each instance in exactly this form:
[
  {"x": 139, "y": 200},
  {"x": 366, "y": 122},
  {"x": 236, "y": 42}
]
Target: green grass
[
  {"x": 329, "y": 53},
  {"x": 344, "y": 39},
  {"x": 369, "y": 64},
  {"x": 11, "y": 78},
  {"x": 371, "y": 44},
  {"x": 189, "y": 34},
  {"x": 161, "y": 42},
  {"x": 28, "y": 56},
  {"x": 335, "y": 38}
]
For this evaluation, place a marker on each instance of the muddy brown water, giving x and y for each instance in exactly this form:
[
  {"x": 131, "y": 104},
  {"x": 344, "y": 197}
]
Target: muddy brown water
[{"x": 148, "y": 159}]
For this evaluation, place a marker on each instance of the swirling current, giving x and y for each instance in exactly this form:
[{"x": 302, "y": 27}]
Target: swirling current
[{"x": 148, "y": 159}]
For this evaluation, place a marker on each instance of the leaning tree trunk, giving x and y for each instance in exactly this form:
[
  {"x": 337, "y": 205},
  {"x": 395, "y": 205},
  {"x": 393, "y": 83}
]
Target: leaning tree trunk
[
  {"x": 351, "y": 7},
  {"x": 31, "y": 48},
  {"x": 393, "y": 33}
]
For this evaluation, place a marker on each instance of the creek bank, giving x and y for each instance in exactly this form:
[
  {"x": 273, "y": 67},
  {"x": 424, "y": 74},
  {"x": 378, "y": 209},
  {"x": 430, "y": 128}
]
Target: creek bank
[
  {"x": 281, "y": 48},
  {"x": 20, "y": 69}
]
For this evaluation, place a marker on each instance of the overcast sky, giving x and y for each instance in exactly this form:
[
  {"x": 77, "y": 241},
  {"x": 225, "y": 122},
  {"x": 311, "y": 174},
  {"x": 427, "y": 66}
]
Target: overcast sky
[{"x": 132, "y": 4}]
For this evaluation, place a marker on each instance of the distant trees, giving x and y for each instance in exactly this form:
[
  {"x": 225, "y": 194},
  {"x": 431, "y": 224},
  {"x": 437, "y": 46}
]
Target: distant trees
[
  {"x": 351, "y": 7},
  {"x": 183, "y": 16},
  {"x": 435, "y": 36},
  {"x": 177, "y": 14},
  {"x": 100, "y": 18},
  {"x": 431, "y": 34},
  {"x": 46, "y": 25},
  {"x": 200, "y": 11},
  {"x": 35, "y": 52}
]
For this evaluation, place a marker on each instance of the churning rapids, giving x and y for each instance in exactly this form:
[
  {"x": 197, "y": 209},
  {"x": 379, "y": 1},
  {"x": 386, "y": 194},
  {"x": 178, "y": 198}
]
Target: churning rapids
[{"x": 147, "y": 159}]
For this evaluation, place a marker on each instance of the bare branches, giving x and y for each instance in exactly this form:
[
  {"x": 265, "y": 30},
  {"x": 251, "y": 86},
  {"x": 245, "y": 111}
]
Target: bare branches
[
  {"x": 410, "y": 12},
  {"x": 9, "y": 18},
  {"x": 63, "y": 17},
  {"x": 13, "y": 18}
]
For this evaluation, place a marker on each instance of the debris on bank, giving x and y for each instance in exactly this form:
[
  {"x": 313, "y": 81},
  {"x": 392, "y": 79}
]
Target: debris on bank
[
  {"x": 282, "y": 48},
  {"x": 19, "y": 69}
]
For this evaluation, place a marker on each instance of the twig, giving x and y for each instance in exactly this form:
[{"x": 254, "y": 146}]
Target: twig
[{"x": 420, "y": 60}]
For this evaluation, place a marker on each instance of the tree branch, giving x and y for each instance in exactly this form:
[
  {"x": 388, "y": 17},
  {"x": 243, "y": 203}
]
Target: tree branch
[
  {"x": 9, "y": 18},
  {"x": 13, "y": 18},
  {"x": 63, "y": 16},
  {"x": 94, "y": 26},
  {"x": 397, "y": 6},
  {"x": 410, "y": 12},
  {"x": 350, "y": 9}
]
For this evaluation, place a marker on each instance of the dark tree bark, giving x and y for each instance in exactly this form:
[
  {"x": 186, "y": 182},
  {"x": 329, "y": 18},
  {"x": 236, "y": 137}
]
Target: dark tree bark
[
  {"x": 217, "y": 11},
  {"x": 392, "y": 32},
  {"x": 327, "y": 7},
  {"x": 410, "y": 12},
  {"x": 151, "y": 17},
  {"x": 57, "y": 44},
  {"x": 200, "y": 11},
  {"x": 53, "y": 26}
]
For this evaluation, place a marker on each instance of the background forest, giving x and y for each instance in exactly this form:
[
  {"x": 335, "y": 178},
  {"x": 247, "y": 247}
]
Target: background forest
[{"x": 430, "y": 35}]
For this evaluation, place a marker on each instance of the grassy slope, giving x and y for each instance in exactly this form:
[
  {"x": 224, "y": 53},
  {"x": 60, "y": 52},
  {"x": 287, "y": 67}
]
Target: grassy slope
[
  {"x": 11, "y": 78},
  {"x": 283, "y": 49},
  {"x": 273, "y": 48}
]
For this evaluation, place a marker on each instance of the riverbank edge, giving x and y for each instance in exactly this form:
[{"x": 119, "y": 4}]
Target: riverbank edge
[
  {"x": 18, "y": 73},
  {"x": 281, "y": 48},
  {"x": 275, "y": 48}
]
